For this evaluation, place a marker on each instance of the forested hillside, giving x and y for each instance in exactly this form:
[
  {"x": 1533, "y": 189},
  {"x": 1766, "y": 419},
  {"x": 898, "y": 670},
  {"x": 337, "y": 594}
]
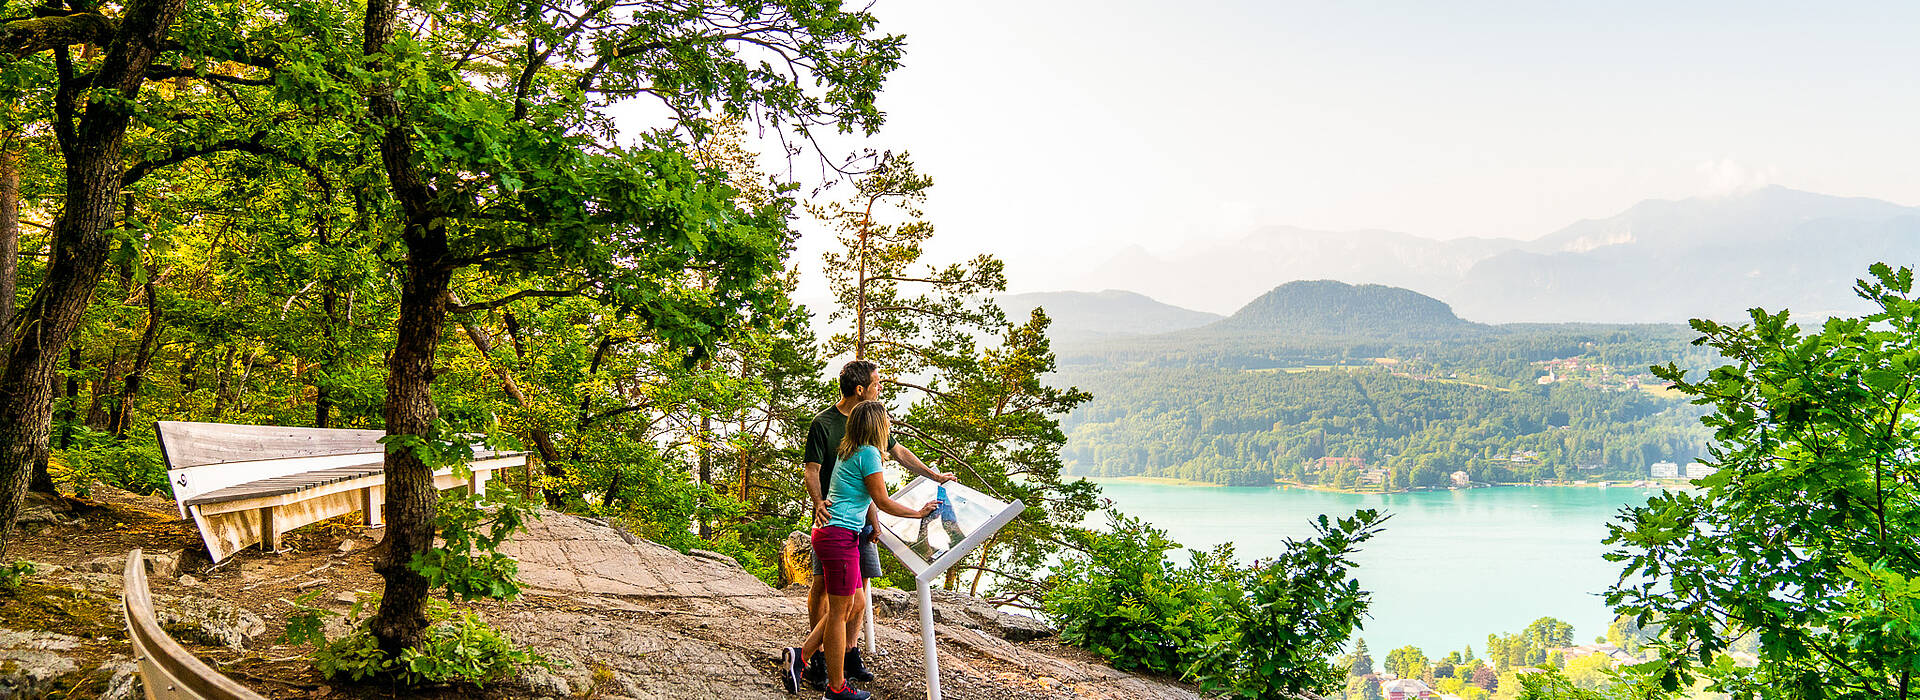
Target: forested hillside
[
  {"x": 1249, "y": 428},
  {"x": 1321, "y": 383},
  {"x": 1330, "y": 308}
]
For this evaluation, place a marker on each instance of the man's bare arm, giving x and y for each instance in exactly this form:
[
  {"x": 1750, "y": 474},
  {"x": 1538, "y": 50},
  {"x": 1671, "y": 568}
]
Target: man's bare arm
[
  {"x": 813, "y": 493},
  {"x": 913, "y": 464}
]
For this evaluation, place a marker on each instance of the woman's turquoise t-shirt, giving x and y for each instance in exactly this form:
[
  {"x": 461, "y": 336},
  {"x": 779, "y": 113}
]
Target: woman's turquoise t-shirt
[{"x": 847, "y": 497}]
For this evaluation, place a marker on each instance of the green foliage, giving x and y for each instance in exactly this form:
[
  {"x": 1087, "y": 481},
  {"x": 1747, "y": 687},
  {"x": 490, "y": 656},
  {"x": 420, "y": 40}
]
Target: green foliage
[
  {"x": 1365, "y": 687},
  {"x": 1256, "y": 631},
  {"x": 1289, "y": 614},
  {"x": 1118, "y": 597},
  {"x": 12, "y": 575},
  {"x": 1552, "y": 684},
  {"x": 1809, "y": 535},
  {"x": 1590, "y": 672},
  {"x": 460, "y": 647},
  {"x": 98, "y": 456},
  {"x": 468, "y": 563},
  {"x": 986, "y": 413},
  {"x": 1530, "y": 646},
  {"x": 1407, "y": 662}
]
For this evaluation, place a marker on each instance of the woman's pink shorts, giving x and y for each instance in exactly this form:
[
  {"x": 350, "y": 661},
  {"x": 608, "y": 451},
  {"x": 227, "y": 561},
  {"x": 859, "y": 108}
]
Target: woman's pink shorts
[{"x": 838, "y": 550}]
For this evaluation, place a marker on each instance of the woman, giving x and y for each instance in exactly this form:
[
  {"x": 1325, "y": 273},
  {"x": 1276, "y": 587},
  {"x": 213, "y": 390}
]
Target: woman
[{"x": 857, "y": 483}]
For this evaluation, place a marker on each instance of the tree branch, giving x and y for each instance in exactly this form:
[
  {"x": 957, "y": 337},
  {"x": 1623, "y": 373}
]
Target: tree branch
[
  {"x": 510, "y": 298},
  {"x": 495, "y": 254},
  {"x": 21, "y": 37},
  {"x": 250, "y": 144},
  {"x": 169, "y": 72}
]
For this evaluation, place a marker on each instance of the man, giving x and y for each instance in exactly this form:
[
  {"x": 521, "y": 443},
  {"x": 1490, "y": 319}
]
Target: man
[{"x": 859, "y": 381}]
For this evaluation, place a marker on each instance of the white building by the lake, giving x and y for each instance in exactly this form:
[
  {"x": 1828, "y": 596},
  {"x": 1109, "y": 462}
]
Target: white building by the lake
[{"x": 1665, "y": 470}]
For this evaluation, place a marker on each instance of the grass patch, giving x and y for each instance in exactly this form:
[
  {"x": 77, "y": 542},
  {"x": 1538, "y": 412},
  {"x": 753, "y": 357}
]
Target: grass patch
[{"x": 35, "y": 606}]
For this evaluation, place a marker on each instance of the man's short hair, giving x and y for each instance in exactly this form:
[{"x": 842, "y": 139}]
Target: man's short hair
[{"x": 856, "y": 374}]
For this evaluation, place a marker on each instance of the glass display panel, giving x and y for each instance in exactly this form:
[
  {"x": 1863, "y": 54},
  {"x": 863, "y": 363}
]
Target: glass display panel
[{"x": 963, "y": 511}]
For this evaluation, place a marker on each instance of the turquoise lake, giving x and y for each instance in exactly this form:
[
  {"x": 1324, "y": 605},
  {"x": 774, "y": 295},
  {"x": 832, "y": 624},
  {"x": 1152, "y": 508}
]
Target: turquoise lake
[{"x": 1451, "y": 566}]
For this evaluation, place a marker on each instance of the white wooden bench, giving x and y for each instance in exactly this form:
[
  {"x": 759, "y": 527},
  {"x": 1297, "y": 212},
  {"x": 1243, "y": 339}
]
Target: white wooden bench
[{"x": 248, "y": 484}]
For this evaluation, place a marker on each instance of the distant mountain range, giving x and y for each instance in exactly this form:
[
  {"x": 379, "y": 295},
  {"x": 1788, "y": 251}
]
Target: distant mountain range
[
  {"x": 1081, "y": 316},
  {"x": 1660, "y": 261}
]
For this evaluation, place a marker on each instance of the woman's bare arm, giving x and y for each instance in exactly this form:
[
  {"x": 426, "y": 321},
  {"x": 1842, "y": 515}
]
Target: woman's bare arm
[{"x": 877, "y": 488}]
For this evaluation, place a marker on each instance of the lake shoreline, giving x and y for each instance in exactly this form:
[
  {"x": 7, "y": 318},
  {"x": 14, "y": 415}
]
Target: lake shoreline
[{"x": 1286, "y": 485}]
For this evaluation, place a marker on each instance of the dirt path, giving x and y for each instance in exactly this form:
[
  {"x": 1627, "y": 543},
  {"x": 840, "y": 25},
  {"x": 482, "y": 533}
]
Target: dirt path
[{"x": 625, "y": 617}]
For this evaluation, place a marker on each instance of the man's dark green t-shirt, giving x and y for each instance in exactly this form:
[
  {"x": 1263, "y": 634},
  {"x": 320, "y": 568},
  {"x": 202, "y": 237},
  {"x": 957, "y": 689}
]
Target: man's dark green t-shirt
[{"x": 823, "y": 442}]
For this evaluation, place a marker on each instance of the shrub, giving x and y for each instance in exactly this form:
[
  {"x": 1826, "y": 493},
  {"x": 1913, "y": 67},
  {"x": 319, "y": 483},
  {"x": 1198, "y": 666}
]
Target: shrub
[
  {"x": 460, "y": 647},
  {"x": 472, "y": 527},
  {"x": 1289, "y": 615},
  {"x": 1121, "y": 599},
  {"x": 1242, "y": 631},
  {"x": 1807, "y": 539},
  {"x": 134, "y": 465},
  {"x": 11, "y": 576}
]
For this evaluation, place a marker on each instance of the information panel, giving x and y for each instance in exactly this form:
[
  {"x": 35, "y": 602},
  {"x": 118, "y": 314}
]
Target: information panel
[{"x": 964, "y": 519}]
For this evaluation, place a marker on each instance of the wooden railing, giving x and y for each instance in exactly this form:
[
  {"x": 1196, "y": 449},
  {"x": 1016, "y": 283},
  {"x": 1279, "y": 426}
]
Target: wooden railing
[{"x": 167, "y": 669}]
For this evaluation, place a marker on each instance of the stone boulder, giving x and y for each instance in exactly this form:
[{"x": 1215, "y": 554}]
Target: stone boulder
[
  {"x": 207, "y": 621},
  {"x": 46, "y": 509},
  {"x": 30, "y": 661},
  {"x": 796, "y": 559},
  {"x": 950, "y": 608}
]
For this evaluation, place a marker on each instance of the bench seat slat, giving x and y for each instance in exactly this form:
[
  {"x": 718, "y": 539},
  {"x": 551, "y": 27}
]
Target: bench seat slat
[{"x": 294, "y": 483}]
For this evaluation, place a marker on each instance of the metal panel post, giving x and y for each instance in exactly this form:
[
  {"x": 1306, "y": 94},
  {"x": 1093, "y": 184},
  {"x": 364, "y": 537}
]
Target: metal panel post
[
  {"x": 926, "y": 639},
  {"x": 867, "y": 590}
]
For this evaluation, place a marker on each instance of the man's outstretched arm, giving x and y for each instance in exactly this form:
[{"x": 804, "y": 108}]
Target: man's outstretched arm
[{"x": 913, "y": 464}]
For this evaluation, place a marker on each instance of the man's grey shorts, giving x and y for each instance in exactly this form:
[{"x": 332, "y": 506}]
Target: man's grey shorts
[{"x": 869, "y": 560}]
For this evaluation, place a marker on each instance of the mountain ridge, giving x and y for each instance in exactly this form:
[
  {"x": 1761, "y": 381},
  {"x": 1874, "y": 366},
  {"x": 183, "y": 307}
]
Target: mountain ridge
[
  {"x": 1103, "y": 314},
  {"x": 1331, "y": 307},
  {"x": 1658, "y": 261}
]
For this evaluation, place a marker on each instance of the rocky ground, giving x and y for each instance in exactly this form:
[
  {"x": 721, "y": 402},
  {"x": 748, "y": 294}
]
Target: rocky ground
[{"x": 623, "y": 617}]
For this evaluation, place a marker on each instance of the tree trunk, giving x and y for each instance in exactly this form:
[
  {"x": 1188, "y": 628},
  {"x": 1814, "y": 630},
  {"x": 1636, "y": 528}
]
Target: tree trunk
[
  {"x": 411, "y": 496},
  {"x": 554, "y": 470},
  {"x": 9, "y": 225},
  {"x": 142, "y": 360},
  {"x": 70, "y": 412},
  {"x": 189, "y": 379},
  {"x": 706, "y": 474},
  {"x": 224, "y": 380},
  {"x": 860, "y": 296},
  {"x": 97, "y": 414},
  {"x": 94, "y": 170},
  {"x": 985, "y": 548}
]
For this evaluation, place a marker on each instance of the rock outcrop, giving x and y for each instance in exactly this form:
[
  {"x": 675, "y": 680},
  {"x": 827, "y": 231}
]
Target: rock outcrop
[{"x": 632, "y": 619}]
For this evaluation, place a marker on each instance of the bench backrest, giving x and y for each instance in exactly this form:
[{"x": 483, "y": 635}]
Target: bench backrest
[
  {"x": 205, "y": 457},
  {"x": 167, "y": 669}
]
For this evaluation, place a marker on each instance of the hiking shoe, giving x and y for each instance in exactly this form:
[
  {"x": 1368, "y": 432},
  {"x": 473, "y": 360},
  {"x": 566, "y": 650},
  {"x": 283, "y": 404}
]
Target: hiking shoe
[
  {"x": 816, "y": 675},
  {"x": 848, "y": 692},
  {"x": 791, "y": 669},
  {"x": 857, "y": 671}
]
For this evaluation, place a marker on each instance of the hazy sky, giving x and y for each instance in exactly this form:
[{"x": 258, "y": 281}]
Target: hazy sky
[{"x": 1061, "y": 132}]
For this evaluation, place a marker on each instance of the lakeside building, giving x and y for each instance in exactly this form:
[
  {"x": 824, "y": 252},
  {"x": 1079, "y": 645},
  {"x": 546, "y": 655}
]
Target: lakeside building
[
  {"x": 1406, "y": 689},
  {"x": 1696, "y": 470},
  {"x": 1665, "y": 470},
  {"x": 1607, "y": 649},
  {"x": 1460, "y": 479}
]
